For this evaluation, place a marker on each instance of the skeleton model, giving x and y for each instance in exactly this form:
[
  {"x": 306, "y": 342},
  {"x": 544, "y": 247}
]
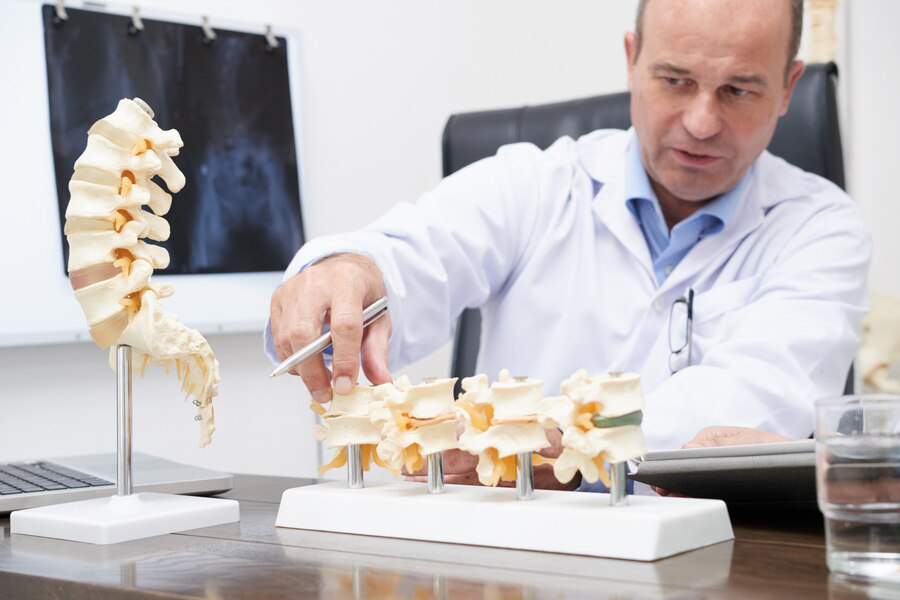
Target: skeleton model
[
  {"x": 504, "y": 420},
  {"x": 110, "y": 263},
  {"x": 604, "y": 425},
  {"x": 397, "y": 425},
  {"x": 415, "y": 421},
  {"x": 879, "y": 356},
  {"x": 503, "y": 424},
  {"x": 348, "y": 422}
]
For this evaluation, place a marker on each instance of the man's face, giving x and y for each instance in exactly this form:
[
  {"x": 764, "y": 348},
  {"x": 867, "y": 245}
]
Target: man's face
[{"x": 708, "y": 86}]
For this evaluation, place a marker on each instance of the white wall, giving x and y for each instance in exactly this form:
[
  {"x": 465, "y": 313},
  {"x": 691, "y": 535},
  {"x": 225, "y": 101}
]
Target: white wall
[
  {"x": 872, "y": 129},
  {"x": 379, "y": 80}
]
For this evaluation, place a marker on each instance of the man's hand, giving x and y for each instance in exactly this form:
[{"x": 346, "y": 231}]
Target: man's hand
[
  {"x": 732, "y": 436},
  {"x": 726, "y": 436},
  {"x": 459, "y": 467},
  {"x": 335, "y": 291}
]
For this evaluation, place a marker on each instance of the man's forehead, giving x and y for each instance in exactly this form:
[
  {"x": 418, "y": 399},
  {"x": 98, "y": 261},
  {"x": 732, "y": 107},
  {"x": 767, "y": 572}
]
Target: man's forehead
[
  {"x": 747, "y": 37},
  {"x": 722, "y": 12}
]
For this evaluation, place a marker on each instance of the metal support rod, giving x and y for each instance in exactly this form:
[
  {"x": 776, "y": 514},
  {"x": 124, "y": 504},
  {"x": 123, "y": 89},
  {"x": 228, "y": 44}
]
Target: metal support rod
[
  {"x": 128, "y": 575},
  {"x": 124, "y": 485},
  {"x": 357, "y": 581},
  {"x": 439, "y": 588},
  {"x": 354, "y": 467},
  {"x": 524, "y": 476},
  {"x": 436, "y": 473},
  {"x": 618, "y": 492}
]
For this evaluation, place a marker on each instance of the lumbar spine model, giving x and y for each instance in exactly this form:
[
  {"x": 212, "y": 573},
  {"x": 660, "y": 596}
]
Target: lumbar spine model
[
  {"x": 506, "y": 419},
  {"x": 415, "y": 421},
  {"x": 110, "y": 264},
  {"x": 603, "y": 424},
  {"x": 349, "y": 422}
]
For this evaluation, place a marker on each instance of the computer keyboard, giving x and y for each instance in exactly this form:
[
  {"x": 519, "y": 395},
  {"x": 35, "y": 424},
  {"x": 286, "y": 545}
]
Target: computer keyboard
[{"x": 24, "y": 478}]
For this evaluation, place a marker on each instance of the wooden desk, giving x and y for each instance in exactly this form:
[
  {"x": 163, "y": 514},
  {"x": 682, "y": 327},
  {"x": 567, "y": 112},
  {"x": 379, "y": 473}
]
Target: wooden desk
[{"x": 773, "y": 556}]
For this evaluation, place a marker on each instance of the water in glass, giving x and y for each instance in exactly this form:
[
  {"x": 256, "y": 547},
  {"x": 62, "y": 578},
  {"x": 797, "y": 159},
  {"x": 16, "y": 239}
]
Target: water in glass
[{"x": 859, "y": 494}]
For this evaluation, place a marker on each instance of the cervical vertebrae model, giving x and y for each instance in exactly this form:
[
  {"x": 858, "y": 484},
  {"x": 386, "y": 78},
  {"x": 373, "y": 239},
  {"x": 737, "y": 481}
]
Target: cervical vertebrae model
[
  {"x": 415, "y": 421},
  {"x": 110, "y": 264},
  {"x": 506, "y": 419},
  {"x": 397, "y": 424},
  {"x": 348, "y": 421},
  {"x": 603, "y": 425}
]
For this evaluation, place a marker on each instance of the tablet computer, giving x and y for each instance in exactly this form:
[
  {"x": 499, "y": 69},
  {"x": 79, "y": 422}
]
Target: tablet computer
[{"x": 775, "y": 475}]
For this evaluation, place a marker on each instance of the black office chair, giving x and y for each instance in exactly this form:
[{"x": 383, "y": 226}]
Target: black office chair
[{"x": 808, "y": 136}]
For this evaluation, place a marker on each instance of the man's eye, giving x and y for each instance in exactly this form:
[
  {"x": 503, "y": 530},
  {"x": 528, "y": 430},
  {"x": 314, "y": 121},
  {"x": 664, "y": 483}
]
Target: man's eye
[
  {"x": 675, "y": 81},
  {"x": 738, "y": 92}
]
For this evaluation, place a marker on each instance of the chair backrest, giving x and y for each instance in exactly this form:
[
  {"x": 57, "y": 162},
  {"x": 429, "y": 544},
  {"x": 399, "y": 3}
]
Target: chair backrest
[{"x": 808, "y": 136}]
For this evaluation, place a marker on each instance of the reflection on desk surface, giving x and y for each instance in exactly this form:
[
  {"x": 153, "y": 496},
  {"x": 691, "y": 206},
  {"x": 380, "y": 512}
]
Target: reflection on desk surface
[{"x": 772, "y": 556}]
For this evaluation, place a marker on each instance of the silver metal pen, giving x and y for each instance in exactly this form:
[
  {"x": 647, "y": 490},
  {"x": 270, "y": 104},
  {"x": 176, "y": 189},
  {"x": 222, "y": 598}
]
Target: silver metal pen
[{"x": 371, "y": 313}]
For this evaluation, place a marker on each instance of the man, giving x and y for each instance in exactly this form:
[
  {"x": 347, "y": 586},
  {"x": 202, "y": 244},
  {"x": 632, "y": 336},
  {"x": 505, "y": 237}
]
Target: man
[{"x": 589, "y": 253}]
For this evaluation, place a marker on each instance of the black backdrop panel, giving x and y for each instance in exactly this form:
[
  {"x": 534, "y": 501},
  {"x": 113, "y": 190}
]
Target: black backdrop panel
[{"x": 230, "y": 100}]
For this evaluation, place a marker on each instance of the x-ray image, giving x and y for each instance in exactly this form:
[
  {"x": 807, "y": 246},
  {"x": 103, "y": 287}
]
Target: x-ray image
[{"x": 230, "y": 100}]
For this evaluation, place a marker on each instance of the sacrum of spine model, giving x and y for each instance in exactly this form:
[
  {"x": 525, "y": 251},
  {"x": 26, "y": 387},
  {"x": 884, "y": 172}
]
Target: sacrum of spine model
[{"x": 110, "y": 261}]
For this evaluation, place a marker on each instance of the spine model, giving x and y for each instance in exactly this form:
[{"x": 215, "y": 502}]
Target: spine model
[
  {"x": 348, "y": 421},
  {"x": 603, "y": 426},
  {"x": 415, "y": 421},
  {"x": 506, "y": 419},
  {"x": 110, "y": 261}
]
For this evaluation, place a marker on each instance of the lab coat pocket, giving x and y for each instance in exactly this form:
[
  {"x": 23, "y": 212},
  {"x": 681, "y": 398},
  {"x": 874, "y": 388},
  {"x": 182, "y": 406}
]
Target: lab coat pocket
[{"x": 723, "y": 298}]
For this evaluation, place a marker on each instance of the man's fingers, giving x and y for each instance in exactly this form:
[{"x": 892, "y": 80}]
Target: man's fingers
[
  {"x": 554, "y": 436},
  {"x": 275, "y": 315},
  {"x": 306, "y": 327},
  {"x": 346, "y": 336},
  {"x": 295, "y": 324},
  {"x": 456, "y": 462},
  {"x": 711, "y": 436},
  {"x": 332, "y": 287},
  {"x": 732, "y": 436},
  {"x": 459, "y": 479},
  {"x": 280, "y": 326},
  {"x": 316, "y": 378},
  {"x": 375, "y": 348}
]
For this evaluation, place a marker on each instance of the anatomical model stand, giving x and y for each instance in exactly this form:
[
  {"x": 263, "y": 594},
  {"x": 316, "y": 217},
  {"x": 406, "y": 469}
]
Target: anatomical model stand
[
  {"x": 104, "y": 215},
  {"x": 127, "y": 515},
  {"x": 504, "y": 423}
]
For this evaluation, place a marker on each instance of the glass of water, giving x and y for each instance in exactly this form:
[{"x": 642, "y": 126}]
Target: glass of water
[{"x": 858, "y": 483}]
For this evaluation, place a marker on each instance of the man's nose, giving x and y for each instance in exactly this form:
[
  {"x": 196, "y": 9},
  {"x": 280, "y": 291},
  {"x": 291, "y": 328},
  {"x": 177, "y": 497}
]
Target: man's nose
[{"x": 701, "y": 116}]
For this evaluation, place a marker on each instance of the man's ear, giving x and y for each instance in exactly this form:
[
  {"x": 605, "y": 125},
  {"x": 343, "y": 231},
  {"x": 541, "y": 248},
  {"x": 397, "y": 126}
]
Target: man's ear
[
  {"x": 631, "y": 50},
  {"x": 794, "y": 72}
]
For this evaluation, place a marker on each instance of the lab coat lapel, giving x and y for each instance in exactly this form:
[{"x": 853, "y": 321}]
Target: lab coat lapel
[
  {"x": 602, "y": 157},
  {"x": 609, "y": 206}
]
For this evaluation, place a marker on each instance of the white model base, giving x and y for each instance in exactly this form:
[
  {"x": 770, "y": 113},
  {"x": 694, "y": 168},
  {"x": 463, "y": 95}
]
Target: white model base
[
  {"x": 121, "y": 518},
  {"x": 648, "y": 528}
]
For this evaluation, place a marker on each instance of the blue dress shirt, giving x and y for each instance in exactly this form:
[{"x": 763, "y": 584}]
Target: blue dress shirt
[{"x": 667, "y": 249}]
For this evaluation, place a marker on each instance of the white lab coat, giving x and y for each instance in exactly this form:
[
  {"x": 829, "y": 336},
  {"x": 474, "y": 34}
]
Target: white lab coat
[{"x": 565, "y": 280}]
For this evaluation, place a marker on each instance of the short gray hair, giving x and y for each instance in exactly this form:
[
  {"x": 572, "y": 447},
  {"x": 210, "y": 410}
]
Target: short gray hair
[{"x": 796, "y": 28}]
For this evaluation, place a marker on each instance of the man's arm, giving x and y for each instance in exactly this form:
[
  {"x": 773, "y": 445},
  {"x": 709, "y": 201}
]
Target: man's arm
[
  {"x": 451, "y": 250},
  {"x": 791, "y": 344}
]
